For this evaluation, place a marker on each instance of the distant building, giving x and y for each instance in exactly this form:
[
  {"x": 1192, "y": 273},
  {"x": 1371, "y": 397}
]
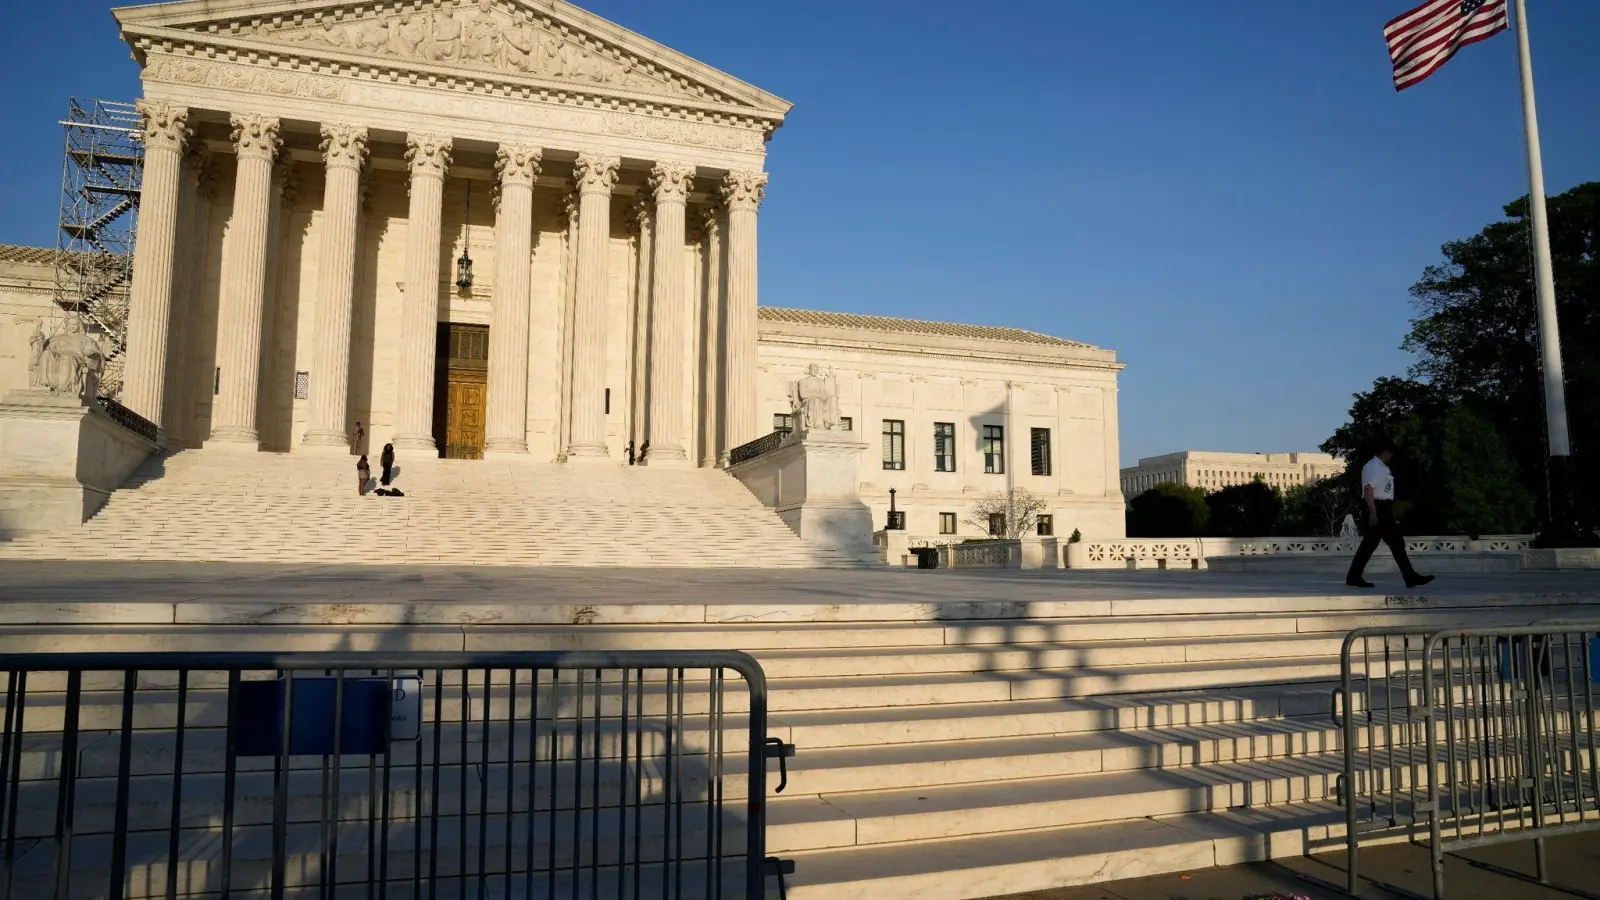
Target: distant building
[{"x": 1215, "y": 471}]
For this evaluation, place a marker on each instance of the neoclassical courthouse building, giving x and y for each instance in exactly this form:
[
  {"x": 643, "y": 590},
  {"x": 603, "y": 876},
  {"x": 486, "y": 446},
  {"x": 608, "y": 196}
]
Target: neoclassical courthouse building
[{"x": 316, "y": 174}]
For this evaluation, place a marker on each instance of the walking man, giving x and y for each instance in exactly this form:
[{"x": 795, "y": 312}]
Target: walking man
[{"x": 1377, "y": 492}]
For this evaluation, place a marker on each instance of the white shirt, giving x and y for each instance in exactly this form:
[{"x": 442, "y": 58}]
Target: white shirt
[{"x": 1376, "y": 475}]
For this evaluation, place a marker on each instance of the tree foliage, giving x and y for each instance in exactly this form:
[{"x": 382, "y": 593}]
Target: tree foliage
[
  {"x": 1318, "y": 509},
  {"x": 1469, "y": 415},
  {"x": 1168, "y": 510},
  {"x": 1244, "y": 510}
]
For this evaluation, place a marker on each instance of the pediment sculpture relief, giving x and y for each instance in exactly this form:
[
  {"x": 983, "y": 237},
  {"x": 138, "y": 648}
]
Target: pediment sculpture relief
[{"x": 480, "y": 35}]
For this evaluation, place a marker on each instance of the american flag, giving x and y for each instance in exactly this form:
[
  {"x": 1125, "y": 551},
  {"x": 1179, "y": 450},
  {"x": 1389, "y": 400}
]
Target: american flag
[{"x": 1425, "y": 38}]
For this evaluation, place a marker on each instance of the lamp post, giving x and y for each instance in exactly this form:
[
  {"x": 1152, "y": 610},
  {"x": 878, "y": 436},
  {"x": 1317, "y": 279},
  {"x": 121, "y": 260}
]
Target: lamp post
[{"x": 897, "y": 520}]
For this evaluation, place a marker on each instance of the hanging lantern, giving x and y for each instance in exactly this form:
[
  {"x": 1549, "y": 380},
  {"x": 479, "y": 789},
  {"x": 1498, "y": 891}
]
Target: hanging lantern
[{"x": 464, "y": 264}]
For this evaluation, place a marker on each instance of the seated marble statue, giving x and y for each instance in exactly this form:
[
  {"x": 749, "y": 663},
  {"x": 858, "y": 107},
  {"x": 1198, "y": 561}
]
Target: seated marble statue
[
  {"x": 67, "y": 363},
  {"x": 814, "y": 401}
]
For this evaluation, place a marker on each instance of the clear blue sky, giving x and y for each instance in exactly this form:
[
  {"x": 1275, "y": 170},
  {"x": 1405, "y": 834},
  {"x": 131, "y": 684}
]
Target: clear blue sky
[{"x": 1227, "y": 192}]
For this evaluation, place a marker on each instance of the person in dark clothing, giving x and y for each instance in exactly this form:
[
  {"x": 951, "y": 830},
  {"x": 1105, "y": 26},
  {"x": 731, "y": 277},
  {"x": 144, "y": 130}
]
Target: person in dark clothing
[
  {"x": 387, "y": 461},
  {"x": 644, "y": 450},
  {"x": 1377, "y": 492}
]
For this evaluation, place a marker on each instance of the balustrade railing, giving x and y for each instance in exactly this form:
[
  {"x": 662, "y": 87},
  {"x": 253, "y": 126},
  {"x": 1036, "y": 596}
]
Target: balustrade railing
[
  {"x": 761, "y": 446},
  {"x": 129, "y": 419}
]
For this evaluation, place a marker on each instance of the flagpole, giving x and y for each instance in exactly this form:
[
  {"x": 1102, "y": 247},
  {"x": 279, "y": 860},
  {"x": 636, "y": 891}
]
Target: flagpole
[{"x": 1559, "y": 527}]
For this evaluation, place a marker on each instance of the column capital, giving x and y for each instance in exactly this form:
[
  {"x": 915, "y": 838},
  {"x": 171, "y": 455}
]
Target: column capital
[
  {"x": 428, "y": 155},
  {"x": 202, "y": 169},
  {"x": 165, "y": 125},
  {"x": 518, "y": 163},
  {"x": 711, "y": 219},
  {"x": 344, "y": 146},
  {"x": 744, "y": 190},
  {"x": 255, "y": 136},
  {"x": 671, "y": 181},
  {"x": 595, "y": 173},
  {"x": 288, "y": 182}
]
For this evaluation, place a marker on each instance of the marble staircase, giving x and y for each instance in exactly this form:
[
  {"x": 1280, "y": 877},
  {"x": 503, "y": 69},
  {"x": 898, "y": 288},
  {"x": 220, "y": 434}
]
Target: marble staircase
[
  {"x": 944, "y": 758},
  {"x": 221, "y": 506}
]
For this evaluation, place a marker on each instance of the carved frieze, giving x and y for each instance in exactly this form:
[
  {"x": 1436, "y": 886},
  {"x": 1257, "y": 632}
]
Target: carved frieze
[{"x": 489, "y": 35}]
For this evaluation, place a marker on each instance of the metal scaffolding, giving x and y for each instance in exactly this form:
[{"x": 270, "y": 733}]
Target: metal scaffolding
[{"x": 101, "y": 170}]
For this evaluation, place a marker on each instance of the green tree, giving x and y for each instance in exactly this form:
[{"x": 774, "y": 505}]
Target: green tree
[
  {"x": 1168, "y": 510},
  {"x": 1485, "y": 494},
  {"x": 1318, "y": 509},
  {"x": 1475, "y": 340},
  {"x": 1244, "y": 510}
]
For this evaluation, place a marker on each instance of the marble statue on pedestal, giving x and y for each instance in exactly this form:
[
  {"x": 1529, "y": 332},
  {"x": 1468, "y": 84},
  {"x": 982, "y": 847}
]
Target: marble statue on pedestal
[
  {"x": 814, "y": 401},
  {"x": 69, "y": 362}
]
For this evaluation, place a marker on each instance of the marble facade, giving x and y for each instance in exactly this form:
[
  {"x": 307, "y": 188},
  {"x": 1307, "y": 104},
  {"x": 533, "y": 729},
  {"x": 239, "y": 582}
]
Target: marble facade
[{"x": 314, "y": 172}]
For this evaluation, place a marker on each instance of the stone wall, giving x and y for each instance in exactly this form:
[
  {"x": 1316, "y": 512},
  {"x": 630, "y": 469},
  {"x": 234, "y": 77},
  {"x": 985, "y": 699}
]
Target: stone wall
[
  {"x": 27, "y": 277},
  {"x": 1068, "y": 388}
]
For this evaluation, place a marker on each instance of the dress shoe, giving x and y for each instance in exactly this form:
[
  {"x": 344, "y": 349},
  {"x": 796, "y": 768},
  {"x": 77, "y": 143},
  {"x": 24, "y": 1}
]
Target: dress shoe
[
  {"x": 1419, "y": 581},
  {"x": 1358, "y": 582}
]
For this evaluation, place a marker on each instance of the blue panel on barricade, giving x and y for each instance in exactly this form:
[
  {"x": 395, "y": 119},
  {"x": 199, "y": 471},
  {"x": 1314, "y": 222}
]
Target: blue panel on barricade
[
  {"x": 1510, "y": 666},
  {"x": 364, "y": 718}
]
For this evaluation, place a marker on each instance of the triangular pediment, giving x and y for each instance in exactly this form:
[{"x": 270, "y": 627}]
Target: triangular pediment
[{"x": 536, "y": 42}]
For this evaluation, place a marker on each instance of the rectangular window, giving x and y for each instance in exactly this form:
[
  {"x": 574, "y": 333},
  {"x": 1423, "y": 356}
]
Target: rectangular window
[
  {"x": 847, "y": 424},
  {"x": 994, "y": 449},
  {"x": 1039, "y": 444},
  {"x": 894, "y": 444},
  {"x": 783, "y": 423},
  {"x": 1046, "y": 526},
  {"x": 947, "y": 523},
  {"x": 997, "y": 525},
  {"x": 944, "y": 446},
  {"x": 216, "y": 383},
  {"x": 608, "y": 401},
  {"x": 302, "y": 385}
]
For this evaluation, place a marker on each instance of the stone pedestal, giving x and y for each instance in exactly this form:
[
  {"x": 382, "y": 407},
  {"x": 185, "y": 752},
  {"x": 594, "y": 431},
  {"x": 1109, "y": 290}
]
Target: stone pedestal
[
  {"x": 59, "y": 460},
  {"x": 894, "y": 547},
  {"x": 810, "y": 482},
  {"x": 1040, "y": 553}
]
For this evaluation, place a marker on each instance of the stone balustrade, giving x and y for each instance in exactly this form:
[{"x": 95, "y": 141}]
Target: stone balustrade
[{"x": 1191, "y": 553}]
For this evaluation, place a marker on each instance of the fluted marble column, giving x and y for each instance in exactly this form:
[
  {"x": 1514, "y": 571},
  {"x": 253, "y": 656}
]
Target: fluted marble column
[
  {"x": 743, "y": 192},
  {"x": 595, "y": 175},
  {"x": 344, "y": 152},
  {"x": 639, "y": 409},
  {"x": 429, "y": 157},
  {"x": 507, "y": 427},
  {"x": 669, "y": 319},
  {"x": 710, "y": 400},
  {"x": 239, "y": 325},
  {"x": 197, "y": 188},
  {"x": 165, "y": 129}
]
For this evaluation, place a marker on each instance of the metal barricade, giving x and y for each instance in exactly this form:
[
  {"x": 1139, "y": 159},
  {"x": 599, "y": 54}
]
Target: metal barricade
[
  {"x": 386, "y": 775},
  {"x": 1465, "y": 737}
]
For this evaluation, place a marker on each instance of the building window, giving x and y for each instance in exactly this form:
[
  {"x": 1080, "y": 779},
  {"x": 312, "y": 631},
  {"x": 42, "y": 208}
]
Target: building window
[
  {"x": 302, "y": 385},
  {"x": 994, "y": 449},
  {"x": 1039, "y": 443},
  {"x": 947, "y": 523},
  {"x": 944, "y": 446},
  {"x": 997, "y": 525},
  {"x": 1046, "y": 526},
  {"x": 847, "y": 424},
  {"x": 894, "y": 444},
  {"x": 782, "y": 423}
]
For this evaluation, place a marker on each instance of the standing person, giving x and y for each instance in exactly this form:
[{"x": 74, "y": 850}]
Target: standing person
[
  {"x": 358, "y": 440},
  {"x": 364, "y": 473},
  {"x": 1377, "y": 492},
  {"x": 387, "y": 461}
]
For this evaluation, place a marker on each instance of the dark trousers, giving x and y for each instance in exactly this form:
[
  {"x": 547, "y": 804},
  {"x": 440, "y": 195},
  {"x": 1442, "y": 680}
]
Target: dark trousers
[
  {"x": 1388, "y": 531},
  {"x": 388, "y": 473}
]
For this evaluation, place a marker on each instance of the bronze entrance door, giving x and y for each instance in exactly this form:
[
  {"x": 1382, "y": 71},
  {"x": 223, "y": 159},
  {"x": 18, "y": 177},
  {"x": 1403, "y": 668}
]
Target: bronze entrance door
[{"x": 462, "y": 390}]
